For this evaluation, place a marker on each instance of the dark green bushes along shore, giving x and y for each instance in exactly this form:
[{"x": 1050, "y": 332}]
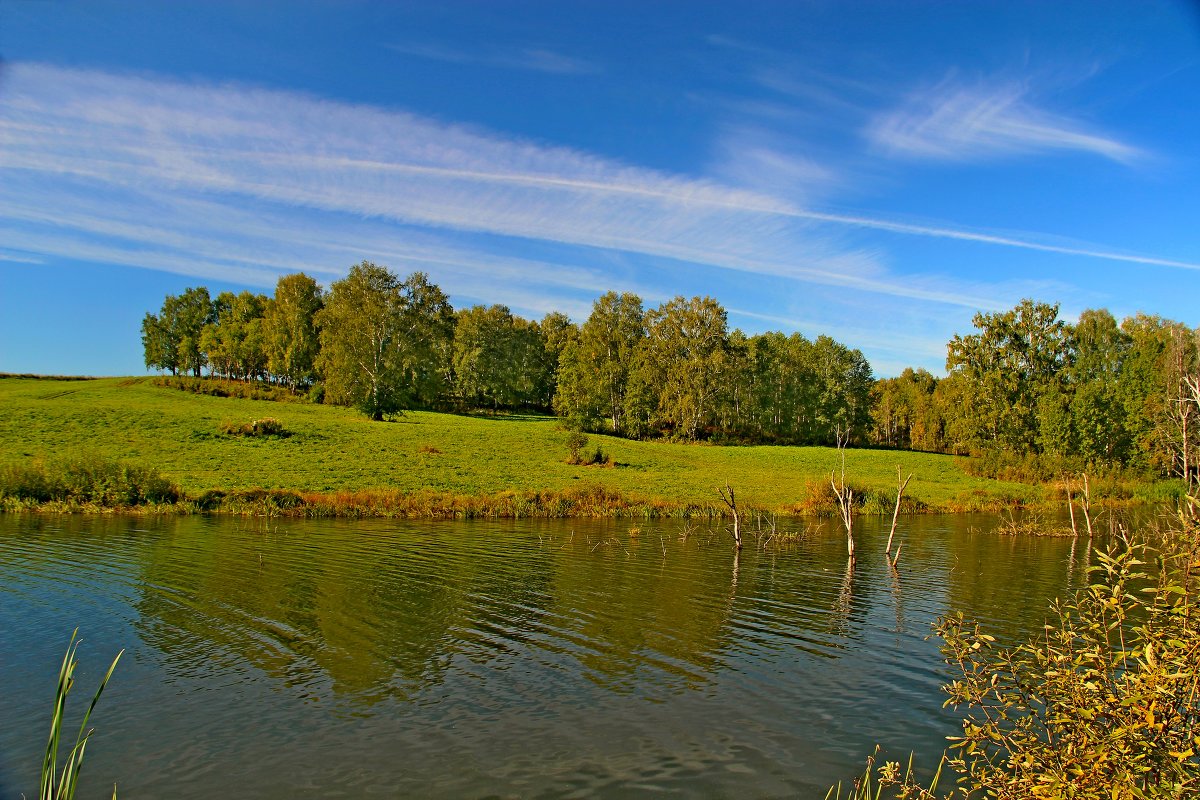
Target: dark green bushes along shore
[{"x": 86, "y": 481}]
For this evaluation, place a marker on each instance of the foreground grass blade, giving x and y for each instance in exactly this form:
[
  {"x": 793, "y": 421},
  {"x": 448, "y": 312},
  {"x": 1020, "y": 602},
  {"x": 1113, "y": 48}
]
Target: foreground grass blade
[{"x": 61, "y": 786}]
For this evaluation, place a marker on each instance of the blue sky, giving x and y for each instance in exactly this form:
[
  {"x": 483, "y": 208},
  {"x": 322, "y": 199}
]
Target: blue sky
[{"x": 878, "y": 172}]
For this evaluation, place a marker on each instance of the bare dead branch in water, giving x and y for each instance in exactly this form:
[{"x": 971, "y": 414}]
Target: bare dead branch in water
[
  {"x": 843, "y": 493},
  {"x": 887, "y": 551},
  {"x": 728, "y": 498}
]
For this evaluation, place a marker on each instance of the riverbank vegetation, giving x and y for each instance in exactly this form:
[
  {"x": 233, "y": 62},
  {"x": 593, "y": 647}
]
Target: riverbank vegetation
[
  {"x": 336, "y": 452},
  {"x": 1029, "y": 394},
  {"x": 1104, "y": 704},
  {"x": 84, "y": 482}
]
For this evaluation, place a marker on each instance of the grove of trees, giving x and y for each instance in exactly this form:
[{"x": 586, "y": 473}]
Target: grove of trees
[
  {"x": 1028, "y": 384},
  {"x": 1025, "y": 383}
]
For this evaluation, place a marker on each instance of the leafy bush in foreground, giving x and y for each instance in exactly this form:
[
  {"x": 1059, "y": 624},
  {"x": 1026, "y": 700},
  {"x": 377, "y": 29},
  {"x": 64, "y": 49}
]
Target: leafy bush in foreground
[{"x": 1106, "y": 704}]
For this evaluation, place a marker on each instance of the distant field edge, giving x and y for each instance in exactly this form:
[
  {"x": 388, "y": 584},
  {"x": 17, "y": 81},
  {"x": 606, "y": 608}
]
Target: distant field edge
[
  {"x": 128, "y": 445},
  {"x": 585, "y": 502}
]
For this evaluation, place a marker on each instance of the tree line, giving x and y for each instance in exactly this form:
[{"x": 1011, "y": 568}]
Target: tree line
[
  {"x": 1028, "y": 384},
  {"x": 1024, "y": 384}
]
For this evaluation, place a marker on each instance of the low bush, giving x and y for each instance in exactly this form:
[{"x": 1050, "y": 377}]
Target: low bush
[
  {"x": 820, "y": 500},
  {"x": 268, "y": 426},
  {"x": 27, "y": 482},
  {"x": 577, "y": 443},
  {"x": 261, "y": 501}
]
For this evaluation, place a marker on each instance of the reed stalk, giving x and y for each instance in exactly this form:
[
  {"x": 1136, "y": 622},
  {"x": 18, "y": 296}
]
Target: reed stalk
[{"x": 56, "y": 784}]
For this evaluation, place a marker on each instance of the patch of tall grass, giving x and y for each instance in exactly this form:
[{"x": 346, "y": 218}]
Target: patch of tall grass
[
  {"x": 267, "y": 426},
  {"x": 819, "y": 500},
  {"x": 587, "y": 501},
  {"x": 85, "y": 480}
]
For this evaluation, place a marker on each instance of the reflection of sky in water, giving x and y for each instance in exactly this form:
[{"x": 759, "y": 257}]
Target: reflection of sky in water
[{"x": 463, "y": 659}]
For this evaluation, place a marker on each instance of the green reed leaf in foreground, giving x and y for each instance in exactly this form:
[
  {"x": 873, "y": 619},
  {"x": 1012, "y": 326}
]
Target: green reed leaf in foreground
[{"x": 57, "y": 785}]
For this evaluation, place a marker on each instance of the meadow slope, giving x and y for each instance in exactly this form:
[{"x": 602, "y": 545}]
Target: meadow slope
[{"x": 333, "y": 449}]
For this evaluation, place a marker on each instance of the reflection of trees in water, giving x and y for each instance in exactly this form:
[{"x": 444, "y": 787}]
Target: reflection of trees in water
[
  {"x": 375, "y": 624},
  {"x": 384, "y": 618},
  {"x": 1008, "y": 580},
  {"x": 374, "y": 615},
  {"x": 630, "y": 608}
]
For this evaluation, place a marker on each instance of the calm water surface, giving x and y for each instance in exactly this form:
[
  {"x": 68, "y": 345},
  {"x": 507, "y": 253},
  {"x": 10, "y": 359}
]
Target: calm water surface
[{"x": 491, "y": 659}]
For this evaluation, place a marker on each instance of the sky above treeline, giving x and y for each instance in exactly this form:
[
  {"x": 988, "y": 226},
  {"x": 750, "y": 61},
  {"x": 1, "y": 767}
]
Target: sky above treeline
[{"x": 878, "y": 172}]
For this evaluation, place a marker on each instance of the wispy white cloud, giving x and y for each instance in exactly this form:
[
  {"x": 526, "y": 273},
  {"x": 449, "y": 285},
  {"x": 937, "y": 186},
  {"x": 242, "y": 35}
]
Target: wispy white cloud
[
  {"x": 536, "y": 59},
  {"x": 237, "y": 147},
  {"x": 242, "y": 184},
  {"x": 765, "y": 161},
  {"x": 958, "y": 122},
  {"x": 19, "y": 258}
]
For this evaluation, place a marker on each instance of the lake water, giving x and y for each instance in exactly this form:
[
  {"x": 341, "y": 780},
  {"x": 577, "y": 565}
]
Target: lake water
[{"x": 492, "y": 659}]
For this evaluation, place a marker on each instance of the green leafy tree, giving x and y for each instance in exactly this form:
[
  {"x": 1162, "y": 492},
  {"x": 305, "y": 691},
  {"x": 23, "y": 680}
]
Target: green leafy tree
[
  {"x": 1099, "y": 421},
  {"x": 904, "y": 413},
  {"x": 159, "y": 344},
  {"x": 557, "y": 332},
  {"x": 1164, "y": 426},
  {"x": 290, "y": 332},
  {"x": 233, "y": 342},
  {"x": 779, "y": 378},
  {"x": 845, "y": 382},
  {"x": 734, "y": 405},
  {"x": 528, "y": 353},
  {"x": 385, "y": 343},
  {"x": 1015, "y": 358},
  {"x": 171, "y": 340},
  {"x": 955, "y": 398},
  {"x": 428, "y": 338},
  {"x": 190, "y": 312},
  {"x": 497, "y": 357},
  {"x": 680, "y": 365},
  {"x": 594, "y": 376}
]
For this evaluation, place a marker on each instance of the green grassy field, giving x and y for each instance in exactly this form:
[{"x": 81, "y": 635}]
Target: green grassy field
[{"x": 336, "y": 449}]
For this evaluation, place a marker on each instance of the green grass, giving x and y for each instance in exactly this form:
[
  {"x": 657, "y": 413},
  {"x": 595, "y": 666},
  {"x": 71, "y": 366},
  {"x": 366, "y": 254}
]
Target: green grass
[{"x": 332, "y": 449}]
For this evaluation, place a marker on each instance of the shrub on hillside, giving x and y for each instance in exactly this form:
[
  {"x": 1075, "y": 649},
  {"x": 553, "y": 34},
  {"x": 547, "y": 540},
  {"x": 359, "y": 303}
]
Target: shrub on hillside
[
  {"x": 268, "y": 426},
  {"x": 577, "y": 443},
  {"x": 218, "y": 387}
]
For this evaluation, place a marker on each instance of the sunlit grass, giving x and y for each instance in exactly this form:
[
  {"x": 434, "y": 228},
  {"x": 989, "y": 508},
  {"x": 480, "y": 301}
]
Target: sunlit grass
[{"x": 336, "y": 450}]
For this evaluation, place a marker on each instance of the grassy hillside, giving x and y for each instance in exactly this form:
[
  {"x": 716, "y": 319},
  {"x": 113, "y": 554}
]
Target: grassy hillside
[{"x": 335, "y": 449}]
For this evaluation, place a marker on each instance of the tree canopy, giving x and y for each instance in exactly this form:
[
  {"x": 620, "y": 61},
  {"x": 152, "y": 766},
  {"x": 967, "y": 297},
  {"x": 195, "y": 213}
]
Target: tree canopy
[
  {"x": 1024, "y": 384},
  {"x": 384, "y": 342}
]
